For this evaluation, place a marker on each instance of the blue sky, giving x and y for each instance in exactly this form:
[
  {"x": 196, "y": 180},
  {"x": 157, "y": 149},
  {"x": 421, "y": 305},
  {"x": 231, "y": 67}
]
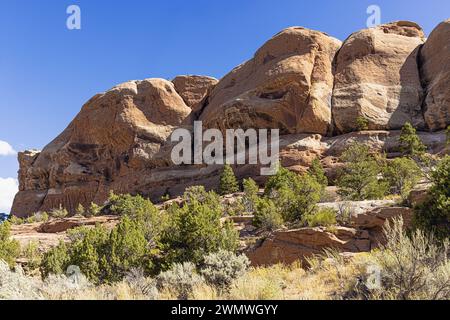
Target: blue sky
[{"x": 47, "y": 72}]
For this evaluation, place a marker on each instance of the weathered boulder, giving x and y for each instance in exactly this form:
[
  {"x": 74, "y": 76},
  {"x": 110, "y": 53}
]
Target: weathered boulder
[
  {"x": 435, "y": 70},
  {"x": 193, "y": 89},
  {"x": 377, "y": 77},
  {"x": 287, "y": 85},
  {"x": 289, "y": 246},
  {"x": 363, "y": 233},
  {"x": 116, "y": 132},
  {"x": 419, "y": 195},
  {"x": 63, "y": 225}
]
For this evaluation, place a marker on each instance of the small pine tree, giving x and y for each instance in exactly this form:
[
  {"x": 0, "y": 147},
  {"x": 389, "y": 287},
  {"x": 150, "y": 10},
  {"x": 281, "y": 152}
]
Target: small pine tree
[
  {"x": 410, "y": 143},
  {"x": 317, "y": 172},
  {"x": 9, "y": 249},
  {"x": 402, "y": 174},
  {"x": 362, "y": 123},
  {"x": 228, "y": 181},
  {"x": 267, "y": 215},
  {"x": 433, "y": 216},
  {"x": 358, "y": 179},
  {"x": 251, "y": 190}
]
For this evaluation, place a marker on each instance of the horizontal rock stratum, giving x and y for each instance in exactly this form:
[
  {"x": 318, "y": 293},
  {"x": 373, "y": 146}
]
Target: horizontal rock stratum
[{"x": 306, "y": 83}]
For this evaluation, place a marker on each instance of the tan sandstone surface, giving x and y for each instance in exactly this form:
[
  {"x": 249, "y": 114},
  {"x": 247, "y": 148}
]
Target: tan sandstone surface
[
  {"x": 435, "y": 58},
  {"x": 377, "y": 77}
]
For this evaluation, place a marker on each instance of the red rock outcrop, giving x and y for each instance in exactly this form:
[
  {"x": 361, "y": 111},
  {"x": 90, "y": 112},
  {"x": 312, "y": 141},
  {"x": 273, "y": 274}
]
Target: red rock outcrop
[
  {"x": 287, "y": 85},
  {"x": 435, "y": 58},
  {"x": 289, "y": 246},
  {"x": 377, "y": 77},
  {"x": 116, "y": 132},
  {"x": 295, "y": 82}
]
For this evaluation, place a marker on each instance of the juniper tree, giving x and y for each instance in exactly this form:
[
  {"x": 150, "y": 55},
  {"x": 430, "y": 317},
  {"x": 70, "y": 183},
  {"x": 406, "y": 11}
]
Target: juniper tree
[
  {"x": 228, "y": 182},
  {"x": 317, "y": 172},
  {"x": 410, "y": 143},
  {"x": 433, "y": 216},
  {"x": 358, "y": 179}
]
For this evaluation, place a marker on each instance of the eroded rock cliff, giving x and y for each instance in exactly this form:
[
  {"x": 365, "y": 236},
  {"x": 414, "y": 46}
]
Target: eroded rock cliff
[{"x": 303, "y": 82}]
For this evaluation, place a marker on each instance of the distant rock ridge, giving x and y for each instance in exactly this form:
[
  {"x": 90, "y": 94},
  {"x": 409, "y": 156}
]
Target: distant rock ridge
[{"x": 307, "y": 84}]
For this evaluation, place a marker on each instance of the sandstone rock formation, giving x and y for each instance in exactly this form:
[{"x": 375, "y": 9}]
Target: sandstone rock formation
[
  {"x": 289, "y": 246},
  {"x": 301, "y": 82},
  {"x": 435, "y": 58},
  {"x": 287, "y": 85},
  {"x": 116, "y": 132},
  {"x": 193, "y": 89},
  {"x": 51, "y": 233},
  {"x": 377, "y": 77}
]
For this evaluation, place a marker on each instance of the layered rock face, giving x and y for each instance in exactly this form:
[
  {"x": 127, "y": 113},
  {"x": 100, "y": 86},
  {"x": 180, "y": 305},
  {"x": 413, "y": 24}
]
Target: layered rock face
[
  {"x": 435, "y": 58},
  {"x": 116, "y": 132},
  {"x": 287, "y": 85},
  {"x": 301, "y": 82},
  {"x": 377, "y": 77}
]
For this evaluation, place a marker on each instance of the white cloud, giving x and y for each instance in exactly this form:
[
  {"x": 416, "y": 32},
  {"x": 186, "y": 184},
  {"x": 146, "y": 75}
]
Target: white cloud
[
  {"x": 6, "y": 149},
  {"x": 8, "y": 189}
]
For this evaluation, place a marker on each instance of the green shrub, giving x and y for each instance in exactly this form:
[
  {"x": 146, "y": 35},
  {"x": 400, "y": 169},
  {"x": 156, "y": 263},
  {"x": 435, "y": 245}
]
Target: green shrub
[
  {"x": 317, "y": 172},
  {"x": 140, "y": 209},
  {"x": 196, "y": 229},
  {"x": 235, "y": 207},
  {"x": 81, "y": 211},
  {"x": 402, "y": 174},
  {"x": 295, "y": 196},
  {"x": 9, "y": 249},
  {"x": 16, "y": 220},
  {"x": 324, "y": 217},
  {"x": 410, "y": 143},
  {"x": 433, "y": 216},
  {"x": 362, "y": 123},
  {"x": 359, "y": 179},
  {"x": 94, "y": 210},
  {"x": 267, "y": 216},
  {"x": 131, "y": 206},
  {"x": 228, "y": 182},
  {"x": 41, "y": 217},
  {"x": 251, "y": 197},
  {"x": 222, "y": 268},
  {"x": 32, "y": 255},
  {"x": 181, "y": 278},
  {"x": 127, "y": 249},
  {"x": 59, "y": 213},
  {"x": 55, "y": 261},
  {"x": 199, "y": 194},
  {"x": 101, "y": 255}
]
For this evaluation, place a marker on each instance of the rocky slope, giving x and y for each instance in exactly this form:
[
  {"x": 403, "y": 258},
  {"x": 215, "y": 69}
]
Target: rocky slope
[
  {"x": 362, "y": 232},
  {"x": 306, "y": 83}
]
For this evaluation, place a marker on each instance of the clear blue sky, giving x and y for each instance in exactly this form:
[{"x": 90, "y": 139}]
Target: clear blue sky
[{"x": 47, "y": 71}]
